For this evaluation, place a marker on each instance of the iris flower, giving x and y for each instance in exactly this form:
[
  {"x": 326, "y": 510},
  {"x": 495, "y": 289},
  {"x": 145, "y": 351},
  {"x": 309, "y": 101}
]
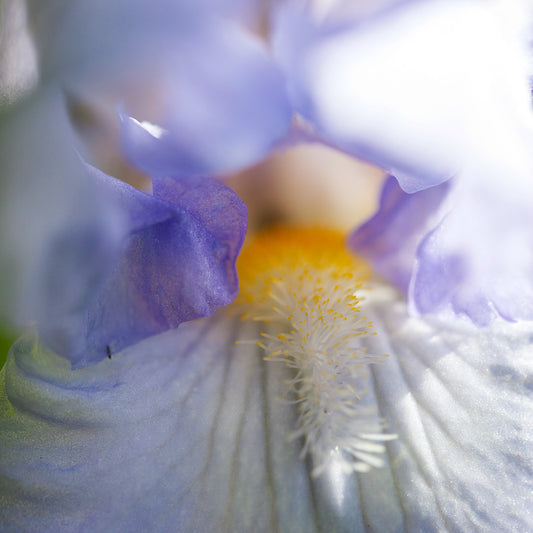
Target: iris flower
[{"x": 379, "y": 380}]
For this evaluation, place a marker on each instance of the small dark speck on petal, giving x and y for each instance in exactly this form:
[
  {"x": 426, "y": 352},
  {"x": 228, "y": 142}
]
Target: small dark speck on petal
[{"x": 505, "y": 372}]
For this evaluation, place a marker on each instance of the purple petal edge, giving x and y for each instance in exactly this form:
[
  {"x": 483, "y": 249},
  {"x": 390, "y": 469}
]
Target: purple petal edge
[
  {"x": 449, "y": 279},
  {"x": 390, "y": 238},
  {"x": 455, "y": 250},
  {"x": 178, "y": 263}
]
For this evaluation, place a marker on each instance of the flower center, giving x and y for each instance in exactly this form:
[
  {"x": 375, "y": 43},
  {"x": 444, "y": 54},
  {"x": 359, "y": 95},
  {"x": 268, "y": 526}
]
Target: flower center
[{"x": 305, "y": 285}]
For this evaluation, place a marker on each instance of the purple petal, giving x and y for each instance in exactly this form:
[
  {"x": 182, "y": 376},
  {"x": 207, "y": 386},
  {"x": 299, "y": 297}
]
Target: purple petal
[
  {"x": 390, "y": 238},
  {"x": 222, "y": 106},
  {"x": 178, "y": 264}
]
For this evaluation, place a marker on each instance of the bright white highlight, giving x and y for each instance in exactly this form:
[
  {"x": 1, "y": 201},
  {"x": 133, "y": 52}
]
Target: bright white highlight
[
  {"x": 426, "y": 89},
  {"x": 153, "y": 129}
]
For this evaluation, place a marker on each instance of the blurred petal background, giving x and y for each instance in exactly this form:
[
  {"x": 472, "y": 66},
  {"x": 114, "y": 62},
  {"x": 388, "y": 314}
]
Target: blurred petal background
[{"x": 183, "y": 429}]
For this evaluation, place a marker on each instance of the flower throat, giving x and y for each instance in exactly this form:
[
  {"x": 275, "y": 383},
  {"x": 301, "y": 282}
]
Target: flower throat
[{"x": 304, "y": 284}]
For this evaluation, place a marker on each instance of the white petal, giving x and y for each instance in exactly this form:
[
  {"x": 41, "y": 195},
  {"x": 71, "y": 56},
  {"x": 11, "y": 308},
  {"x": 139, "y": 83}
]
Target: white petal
[
  {"x": 173, "y": 434},
  {"x": 185, "y": 431},
  {"x": 462, "y": 406},
  {"x": 422, "y": 89}
]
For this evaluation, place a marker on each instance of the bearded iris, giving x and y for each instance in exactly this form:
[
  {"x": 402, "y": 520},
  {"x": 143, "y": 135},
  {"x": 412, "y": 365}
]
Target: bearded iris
[{"x": 184, "y": 430}]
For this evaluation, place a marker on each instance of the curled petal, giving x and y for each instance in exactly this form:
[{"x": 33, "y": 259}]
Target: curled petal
[
  {"x": 429, "y": 109},
  {"x": 178, "y": 263},
  {"x": 188, "y": 67},
  {"x": 390, "y": 238}
]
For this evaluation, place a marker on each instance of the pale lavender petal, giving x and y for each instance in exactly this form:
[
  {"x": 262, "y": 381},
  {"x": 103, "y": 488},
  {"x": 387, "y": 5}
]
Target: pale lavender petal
[
  {"x": 60, "y": 238},
  {"x": 462, "y": 248},
  {"x": 478, "y": 261},
  {"x": 396, "y": 90},
  {"x": 188, "y": 67},
  {"x": 102, "y": 41},
  {"x": 223, "y": 105}
]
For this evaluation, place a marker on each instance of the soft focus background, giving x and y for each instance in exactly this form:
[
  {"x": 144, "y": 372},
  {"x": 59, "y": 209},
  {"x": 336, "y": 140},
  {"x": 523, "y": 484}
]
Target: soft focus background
[
  {"x": 18, "y": 60},
  {"x": 189, "y": 411},
  {"x": 302, "y": 184},
  {"x": 18, "y": 74}
]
